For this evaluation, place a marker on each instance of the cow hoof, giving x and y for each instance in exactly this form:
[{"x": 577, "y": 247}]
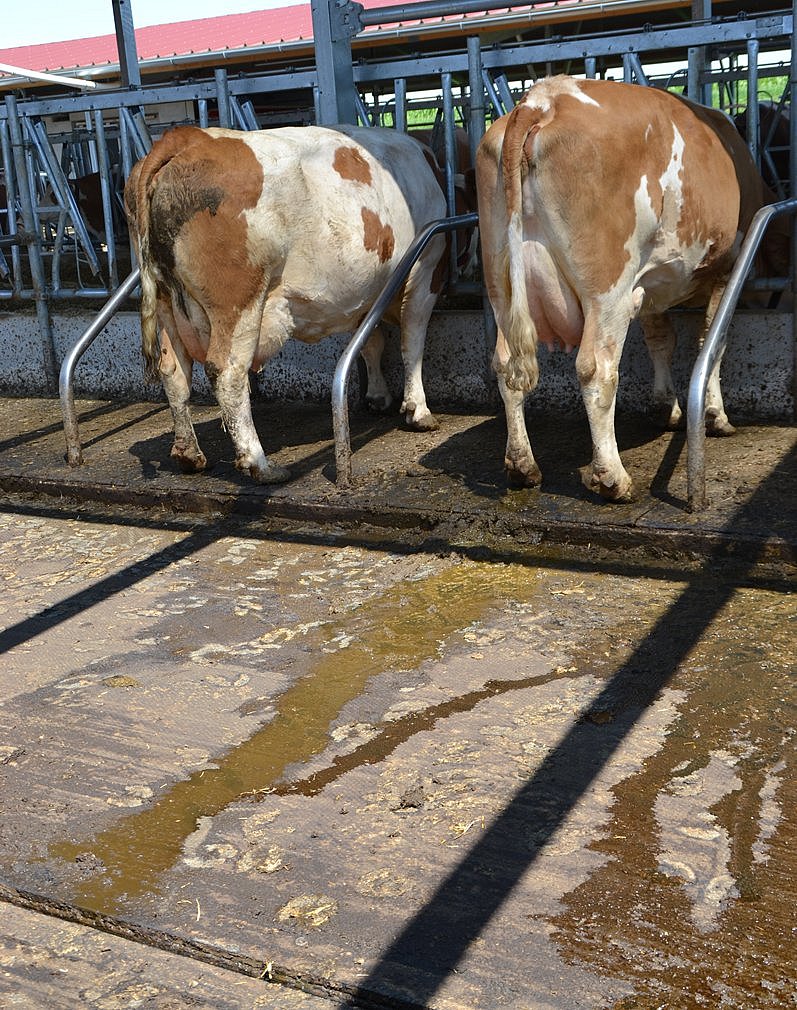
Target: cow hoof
[
  {"x": 189, "y": 461},
  {"x": 522, "y": 473},
  {"x": 621, "y": 491},
  {"x": 667, "y": 417},
  {"x": 378, "y": 404},
  {"x": 719, "y": 427},
  {"x": 272, "y": 473},
  {"x": 417, "y": 421}
]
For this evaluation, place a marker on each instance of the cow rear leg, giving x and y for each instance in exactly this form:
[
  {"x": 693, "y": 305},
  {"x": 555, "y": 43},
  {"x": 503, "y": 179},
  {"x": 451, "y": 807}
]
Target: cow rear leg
[
  {"x": 377, "y": 395},
  {"x": 597, "y": 366},
  {"x": 419, "y": 300},
  {"x": 175, "y": 367},
  {"x": 665, "y": 411},
  {"x": 521, "y": 467},
  {"x": 227, "y": 368},
  {"x": 717, "y": 422}
]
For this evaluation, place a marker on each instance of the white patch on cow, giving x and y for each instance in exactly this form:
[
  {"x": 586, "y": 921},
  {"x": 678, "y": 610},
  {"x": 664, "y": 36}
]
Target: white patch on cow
[
  {"x": 543, "y": 93},
  {"x": 665, "y": 275}
]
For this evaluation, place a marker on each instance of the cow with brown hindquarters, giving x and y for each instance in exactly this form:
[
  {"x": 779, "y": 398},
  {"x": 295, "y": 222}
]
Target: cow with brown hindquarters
[
  {"x": 599, "y": 203},
  {"x": 248, "y": 239}
]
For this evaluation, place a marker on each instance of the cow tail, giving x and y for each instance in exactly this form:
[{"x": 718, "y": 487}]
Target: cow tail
[
  {"x": 150, "y": 345},
  {"x": 521, "y": 371},
  {"x": 138, "y": 202}
]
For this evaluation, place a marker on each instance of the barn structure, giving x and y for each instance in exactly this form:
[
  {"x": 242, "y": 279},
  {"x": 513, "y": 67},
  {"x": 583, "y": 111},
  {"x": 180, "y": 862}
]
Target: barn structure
[{"x": 77, "y": 115}]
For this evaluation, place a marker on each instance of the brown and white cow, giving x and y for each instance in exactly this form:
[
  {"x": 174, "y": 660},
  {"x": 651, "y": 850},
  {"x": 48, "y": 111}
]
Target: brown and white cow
[
  {"x": 248, "y": 239},
  {"x": 600, "y": 202}
]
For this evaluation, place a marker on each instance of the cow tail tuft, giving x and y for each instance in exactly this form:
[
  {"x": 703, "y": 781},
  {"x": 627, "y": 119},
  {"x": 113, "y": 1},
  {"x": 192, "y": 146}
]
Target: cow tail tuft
[
  {"x": 521, "y": 371},
  {"x": 150, "y": 345}
]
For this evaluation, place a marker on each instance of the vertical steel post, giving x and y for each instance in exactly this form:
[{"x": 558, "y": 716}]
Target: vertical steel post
[
  {"x": 223, "y": 98},
  {"x": 753, "y": 125},
  {"x": 105, "y": 190},
  {"x": 32, "y": 240},
  {"x": 697, "y": 89},
  {"x": 400, "y": 115},
  {"x": 793, "y": 193},
  {"x": 476, "y": 124},
  {"x": 126, "y": 43},
  {"x": 335, "y": 23},
  {"x": 450, "y": 147},
  {"x": 11, "y": 197}
]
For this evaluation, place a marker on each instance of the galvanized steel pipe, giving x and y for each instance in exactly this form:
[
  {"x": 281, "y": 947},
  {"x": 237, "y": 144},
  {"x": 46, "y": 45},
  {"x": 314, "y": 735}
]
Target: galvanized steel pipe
[
  {"x": 712, "y": 350},
  {"x": 340, "y": 407},
  {"x": 74, "y": 454}
]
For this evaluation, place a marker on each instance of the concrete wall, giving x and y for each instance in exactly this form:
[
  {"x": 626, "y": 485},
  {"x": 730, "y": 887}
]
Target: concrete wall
[{"x": 756, "y": 374}]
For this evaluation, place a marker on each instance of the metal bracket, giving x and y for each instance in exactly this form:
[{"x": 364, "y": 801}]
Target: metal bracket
[{"x": 345, "y": 18}]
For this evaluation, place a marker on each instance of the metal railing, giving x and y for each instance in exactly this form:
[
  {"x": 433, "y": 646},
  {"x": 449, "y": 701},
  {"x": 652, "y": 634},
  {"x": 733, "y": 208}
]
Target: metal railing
[
  {"x": 714, "y": 347},
  {"x": 74, "y": 452},
  {"x": 340, "y": 407}
]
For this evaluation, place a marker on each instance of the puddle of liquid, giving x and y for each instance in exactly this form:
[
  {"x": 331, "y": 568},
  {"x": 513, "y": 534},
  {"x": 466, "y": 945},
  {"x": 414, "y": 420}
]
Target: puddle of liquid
[
  {"x": 403, "y": 627},
  {"x": 700, "y": 908}
]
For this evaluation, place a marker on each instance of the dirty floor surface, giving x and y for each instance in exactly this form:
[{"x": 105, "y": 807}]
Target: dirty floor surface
[
  {"x": 272, "y": 756},
  {"x": 450, "y": 481}
]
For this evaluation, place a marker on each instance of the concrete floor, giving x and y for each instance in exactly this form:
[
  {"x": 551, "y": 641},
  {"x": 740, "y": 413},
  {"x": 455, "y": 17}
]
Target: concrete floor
[{"x": 423, "y": 743}]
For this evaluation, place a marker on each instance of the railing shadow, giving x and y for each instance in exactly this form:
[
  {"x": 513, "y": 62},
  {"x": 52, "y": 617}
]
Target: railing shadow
[{"x": 433, "y": 944}]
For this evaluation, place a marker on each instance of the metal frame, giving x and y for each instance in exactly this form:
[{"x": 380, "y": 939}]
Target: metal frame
[
  {"x": 340, "y": 409},
  {"x": 714, "y": 347}
]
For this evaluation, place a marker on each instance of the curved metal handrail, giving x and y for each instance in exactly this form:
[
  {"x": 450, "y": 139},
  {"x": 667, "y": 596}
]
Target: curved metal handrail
[
  {"x": 340, "y": 409},
  {"x": 713, "y": 348},
  {"x": 74, "y": 453}
]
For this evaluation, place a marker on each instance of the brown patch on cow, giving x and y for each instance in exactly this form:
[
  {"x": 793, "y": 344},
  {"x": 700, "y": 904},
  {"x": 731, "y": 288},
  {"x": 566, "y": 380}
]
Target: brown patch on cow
[
  {"x": 580, "y": 166},
  {"x": 198, "y": 229},
  {"x": 727, "y": 198},
  {"x": 378, "y": 237},
  {"x": 352, "y": 166}
]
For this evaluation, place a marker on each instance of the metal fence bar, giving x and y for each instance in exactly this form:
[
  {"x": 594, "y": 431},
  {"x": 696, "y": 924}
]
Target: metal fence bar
[
  {"x": 11, "y": 203},
  {"x": 74, "y": 453},
  {"x": 714, "y": 347},
  {"x": 32, "y": 240},
  {"x": 106, "y": 188},
  {"x": 340, "y": 408},
  {"x": 61, "y": 189},
  {"x": 400, "y": 115},
  {"x": 223, "y": 98}
]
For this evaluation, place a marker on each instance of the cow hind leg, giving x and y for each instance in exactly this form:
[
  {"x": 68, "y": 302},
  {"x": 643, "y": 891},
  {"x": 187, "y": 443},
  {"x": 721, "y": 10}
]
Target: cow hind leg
[
  {"x": 717, "y": 422},
  {"x": 665, "y": 411},
  {"x": 175, "y": 367},
  {"x": 377, "y": 395},
  {"x": 521, "y": 467},
  {"x": 228, "y": 372},
  {"x": 416, "y": 310},
  {"x": 597, "y": 366}
]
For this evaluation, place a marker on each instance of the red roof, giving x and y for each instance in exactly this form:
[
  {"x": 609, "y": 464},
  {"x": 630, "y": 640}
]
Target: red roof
[{"x": 229, "y": 31}]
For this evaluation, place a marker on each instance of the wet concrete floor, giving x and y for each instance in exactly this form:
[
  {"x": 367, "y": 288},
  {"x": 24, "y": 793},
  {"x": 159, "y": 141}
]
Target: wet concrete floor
[{"x": 259, "y": 759}]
